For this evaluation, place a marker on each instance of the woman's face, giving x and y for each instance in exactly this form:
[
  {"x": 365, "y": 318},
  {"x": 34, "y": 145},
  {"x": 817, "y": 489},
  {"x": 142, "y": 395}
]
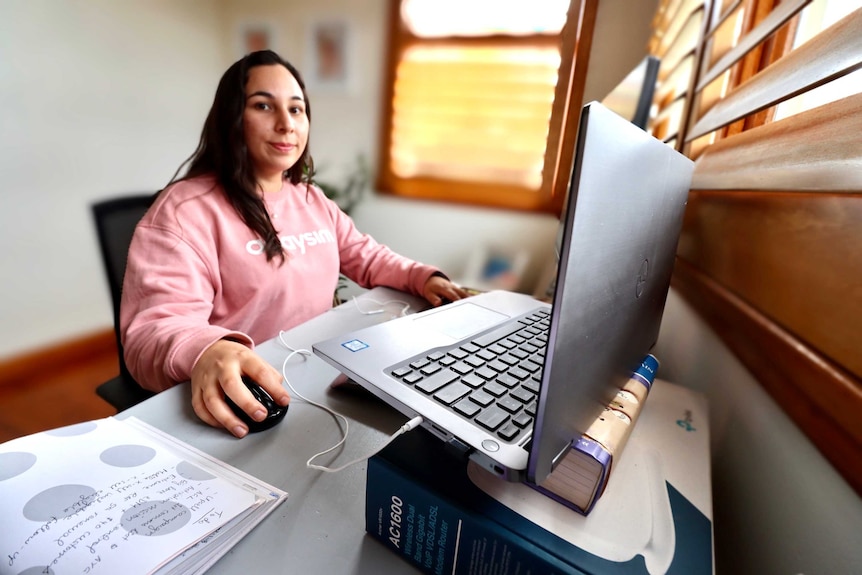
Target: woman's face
[{"x": 275, "y": 125}]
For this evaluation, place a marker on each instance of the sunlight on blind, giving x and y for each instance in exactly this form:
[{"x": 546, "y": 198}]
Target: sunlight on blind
[
  {"x": 442, "y": 18},
  {"x": 676, "y": 31},
  {"x": 818, "y": 16},
  {"x": 473, "y": 113}
]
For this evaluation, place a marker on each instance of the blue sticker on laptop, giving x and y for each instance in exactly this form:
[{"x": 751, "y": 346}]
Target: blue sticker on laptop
[{"x": 354, "y": 345}]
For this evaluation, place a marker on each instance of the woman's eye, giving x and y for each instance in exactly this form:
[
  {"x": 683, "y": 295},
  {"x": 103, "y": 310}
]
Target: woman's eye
[
  {"x": 297, "y": 110},
  {"x": 261, "y": 106}
]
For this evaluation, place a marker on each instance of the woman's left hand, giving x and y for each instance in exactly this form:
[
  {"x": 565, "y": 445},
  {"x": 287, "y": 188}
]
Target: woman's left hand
[{"x": 438, "y": 290}]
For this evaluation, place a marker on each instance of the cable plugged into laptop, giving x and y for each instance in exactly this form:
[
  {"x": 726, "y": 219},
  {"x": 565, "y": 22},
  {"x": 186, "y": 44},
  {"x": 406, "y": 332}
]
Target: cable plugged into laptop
[
  {"x": 412, "y": 424},
  {"x": 409, "y": 426}
]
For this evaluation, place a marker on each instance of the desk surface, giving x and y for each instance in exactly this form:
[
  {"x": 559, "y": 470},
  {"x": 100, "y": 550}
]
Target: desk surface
[{"x": 320, "y": 528}]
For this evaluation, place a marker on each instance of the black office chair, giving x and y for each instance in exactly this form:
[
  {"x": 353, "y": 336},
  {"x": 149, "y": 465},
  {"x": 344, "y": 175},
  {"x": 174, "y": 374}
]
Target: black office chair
[{"x": 116, "y": 219}]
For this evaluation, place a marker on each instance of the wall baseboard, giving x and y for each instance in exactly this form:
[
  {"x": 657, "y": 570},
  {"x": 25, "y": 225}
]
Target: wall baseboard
[{"x": 18, "y": 369}]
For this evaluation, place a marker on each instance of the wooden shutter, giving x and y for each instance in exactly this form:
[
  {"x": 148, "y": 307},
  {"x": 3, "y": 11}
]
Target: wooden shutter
[{"x": 771, "y": 249}]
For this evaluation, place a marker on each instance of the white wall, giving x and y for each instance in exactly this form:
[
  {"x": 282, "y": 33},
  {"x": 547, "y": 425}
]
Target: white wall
[
  {"x": 98, "y": 98},
  {"x": 779, "y": 507}
]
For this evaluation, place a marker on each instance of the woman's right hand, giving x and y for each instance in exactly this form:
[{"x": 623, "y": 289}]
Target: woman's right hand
[{"x": 218, "y": 372}]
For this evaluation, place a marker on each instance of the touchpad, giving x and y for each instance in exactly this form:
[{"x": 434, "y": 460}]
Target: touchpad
[{"x": 460, "y": 321}]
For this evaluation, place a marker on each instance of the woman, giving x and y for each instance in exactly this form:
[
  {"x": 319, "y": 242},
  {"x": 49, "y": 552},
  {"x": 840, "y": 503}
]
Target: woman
[{"x": 242, "y": 246}]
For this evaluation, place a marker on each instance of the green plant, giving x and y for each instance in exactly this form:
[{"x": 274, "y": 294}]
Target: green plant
[{"x": 349, "y": 192}]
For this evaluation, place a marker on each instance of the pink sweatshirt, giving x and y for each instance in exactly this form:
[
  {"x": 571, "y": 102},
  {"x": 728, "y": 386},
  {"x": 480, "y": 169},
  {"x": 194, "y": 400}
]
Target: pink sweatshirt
[{"x": 196, "y": 273}]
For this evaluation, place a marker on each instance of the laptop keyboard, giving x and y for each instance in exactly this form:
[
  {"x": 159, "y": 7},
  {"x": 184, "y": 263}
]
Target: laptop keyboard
[{"x": 492, "y": 379}]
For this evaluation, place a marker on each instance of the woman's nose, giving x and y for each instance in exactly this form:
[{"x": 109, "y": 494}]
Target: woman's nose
[{"x": 285, "y": 122}]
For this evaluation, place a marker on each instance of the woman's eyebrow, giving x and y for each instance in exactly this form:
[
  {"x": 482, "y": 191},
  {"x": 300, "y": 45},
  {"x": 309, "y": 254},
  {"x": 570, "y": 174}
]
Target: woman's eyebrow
[
  {"x": 266, "y": 94},
  {"x": 260, "y": 93}
]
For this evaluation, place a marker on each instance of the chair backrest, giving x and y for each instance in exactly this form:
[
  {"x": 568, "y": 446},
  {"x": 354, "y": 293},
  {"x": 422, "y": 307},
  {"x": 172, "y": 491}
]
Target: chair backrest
[{"x": 115, "y": 220}]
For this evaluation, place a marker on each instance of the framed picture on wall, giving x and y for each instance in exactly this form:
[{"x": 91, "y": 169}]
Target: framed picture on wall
[
  {"x": 329, "y": 54},
  {"x": 254, "y": 36}
]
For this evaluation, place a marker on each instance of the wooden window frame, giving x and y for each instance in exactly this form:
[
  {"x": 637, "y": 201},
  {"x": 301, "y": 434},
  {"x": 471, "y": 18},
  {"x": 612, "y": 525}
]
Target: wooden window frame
[{"x": 574, "y": 41}]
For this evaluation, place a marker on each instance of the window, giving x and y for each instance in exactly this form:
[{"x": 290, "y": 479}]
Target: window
[
  {"x": 820, "y": 15},
  {"x": 769, "y": 255},
  {"x": 476, "y": 104}
]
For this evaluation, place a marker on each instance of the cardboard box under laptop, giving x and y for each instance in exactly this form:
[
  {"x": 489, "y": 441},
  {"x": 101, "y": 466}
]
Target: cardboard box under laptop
[{"x": 445, "y": 515}]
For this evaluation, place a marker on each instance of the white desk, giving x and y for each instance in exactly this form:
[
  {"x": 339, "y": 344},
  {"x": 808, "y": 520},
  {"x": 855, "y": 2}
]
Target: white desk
[{"x": 321, "y": 526}]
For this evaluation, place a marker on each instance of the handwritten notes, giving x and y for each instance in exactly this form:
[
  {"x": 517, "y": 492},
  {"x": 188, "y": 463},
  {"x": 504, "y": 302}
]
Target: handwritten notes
[{"x": 111, "y": 496}]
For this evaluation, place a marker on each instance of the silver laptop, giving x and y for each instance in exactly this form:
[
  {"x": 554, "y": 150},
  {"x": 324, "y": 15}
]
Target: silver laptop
[{"x": 511, "y": 381}]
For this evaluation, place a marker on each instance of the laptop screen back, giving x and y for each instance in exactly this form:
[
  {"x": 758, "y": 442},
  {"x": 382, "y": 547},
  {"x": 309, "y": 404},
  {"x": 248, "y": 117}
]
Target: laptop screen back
[{"x": 623, "y": 218}]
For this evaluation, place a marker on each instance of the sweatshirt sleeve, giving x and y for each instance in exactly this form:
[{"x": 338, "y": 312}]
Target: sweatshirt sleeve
[
  {"x": 166, "y": 304},
  {"x": 371, "y": 264}
]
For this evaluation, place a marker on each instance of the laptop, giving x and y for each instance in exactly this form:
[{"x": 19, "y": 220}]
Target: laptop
[{"x": 511, "y": 381}]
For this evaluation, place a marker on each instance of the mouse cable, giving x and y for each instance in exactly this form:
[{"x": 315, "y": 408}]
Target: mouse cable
[
  {"x": 382, "y": 304},
  {"x": 409, "y": 426}
]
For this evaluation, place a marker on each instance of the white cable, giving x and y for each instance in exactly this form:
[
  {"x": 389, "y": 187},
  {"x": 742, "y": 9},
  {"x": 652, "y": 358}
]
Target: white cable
[
  {"x": 409, "y": 426},
  {"x": 381, "y": 304}
]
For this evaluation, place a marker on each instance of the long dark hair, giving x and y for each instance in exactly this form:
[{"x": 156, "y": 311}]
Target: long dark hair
[{"x": 222, "y": 150}]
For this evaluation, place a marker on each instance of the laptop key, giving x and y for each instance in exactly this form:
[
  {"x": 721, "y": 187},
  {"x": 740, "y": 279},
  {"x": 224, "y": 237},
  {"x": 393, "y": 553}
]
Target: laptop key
[
  {"x": 466, "y": 408},
  {"x": 401, "y": 372},
  {"x": 528, "y": 348},
  {"x": 530, "y": 366},
  {"x": 495, "y": 389},
  {"x": 522, "y": 420},
  {"x": 523, "y": 395},
  {"x": 482, "y": 398},
  {"x": 508, "y": 432},
  {"x": 533, "y": 384},
  {"x": 430, "y": 368},
  {"x": 469, "y": 348},
  {"x": 507, "y": 380},
  {"x": 519, "y": 373},
  {"x": 431, "y": 384},
  {"x": 497, "y": 334},
  {"x": 487, "y": 355},
  {"x": 473, "y": 380},
  {"x": 461, "y": 367},
  {"x": 497, "y": 349},
  {"x": 497, "y": 365},
  {"x": 510, "y": 404},
  {"x": 492, "y": 418},
  {"x": 419, "y": 363},
  {"x": 458, "y": 353},
  {"x": 412, "y": 377},
  {"x": 452, "y": 393},
  {"x": 507, "y": 343},
  {"x": 486, "y": 373}
]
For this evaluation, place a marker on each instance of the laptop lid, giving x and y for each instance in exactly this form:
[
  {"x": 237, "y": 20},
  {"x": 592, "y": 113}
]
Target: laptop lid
[{"x": 624, "y": 214}]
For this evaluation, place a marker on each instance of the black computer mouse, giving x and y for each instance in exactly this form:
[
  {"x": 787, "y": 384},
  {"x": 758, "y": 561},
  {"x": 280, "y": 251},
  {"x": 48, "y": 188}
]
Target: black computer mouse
[{"x": 275, "y": 412}]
